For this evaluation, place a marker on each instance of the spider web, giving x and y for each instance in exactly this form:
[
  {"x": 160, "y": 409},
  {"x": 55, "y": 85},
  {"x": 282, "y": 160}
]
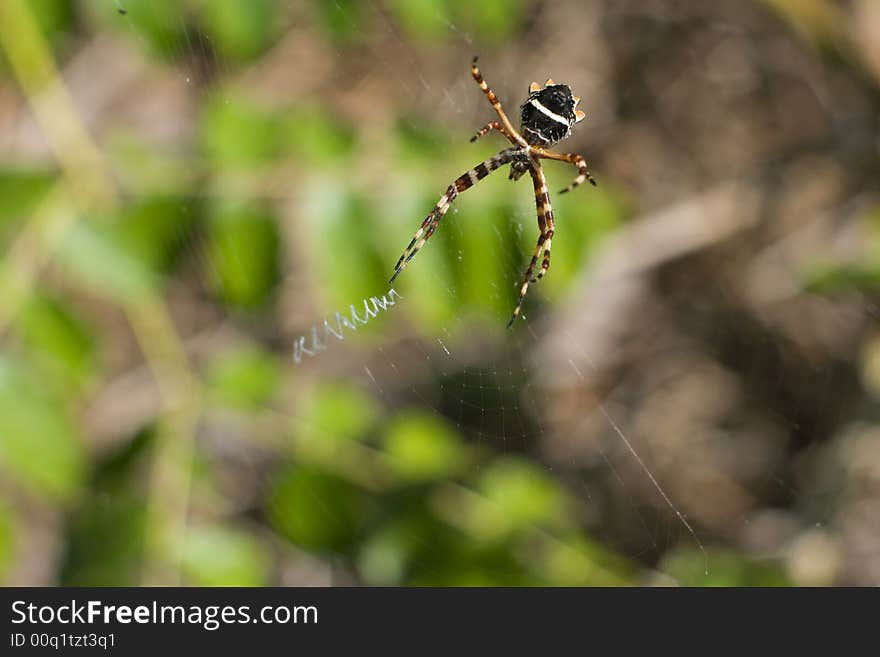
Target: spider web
[
  {"x": 487, "y": 383},
  {"x": 608, "y": 387}
]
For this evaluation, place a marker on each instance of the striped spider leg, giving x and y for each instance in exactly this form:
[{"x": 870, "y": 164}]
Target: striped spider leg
[
  {"x": 465, "y": 181},
  {"x": 571, "y": 158},
  {"x": 508, "y": 130},
  {"x": 545, "y": 226},
  {"x": 546, "y": 117}
]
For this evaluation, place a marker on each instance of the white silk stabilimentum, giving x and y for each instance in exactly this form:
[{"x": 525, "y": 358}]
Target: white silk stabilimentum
[{"x": 299, "y": 345}]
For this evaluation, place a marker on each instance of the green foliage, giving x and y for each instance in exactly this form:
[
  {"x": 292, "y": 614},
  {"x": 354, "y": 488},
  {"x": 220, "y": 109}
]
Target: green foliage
[
  {"x": 107, "y": 527},
  {"x": 494, "y": 20},
  {"x": 243, "y": 251},
  {"x": 21, "y": 191},
  {"x": 315, "y": 509},
  {"x": 342, "y": 21},
  {"x": 54, "y": 18},
  {"x": 438, "y": 20},
  {"x": 384, "y": 560},
  {"x": 579, "y": 561},
  {"x": 515, "y": 495},
  {"x": 861, "y": 274},
  {"x": 150, "y": 171},
  {"x": 347, "y": 22},
  {"x": 219, "y": 556},
  {"x": 98, "y": 259},
  {"x": 425, "y": 19},
  {"x": 336, "y": 413},
  {"x": 152, "y": 230},
  {"x": 836, "y": 278},
  {"x": 725, "y": 568},
  {"x": 106, "y": 543},
  {"x": 8, "y": 536},
  {"x": 341, "y": 223},
  {"x": 39, "y": 444},
  {"x": 238, "y": 134},
  {"x": 420, "y": 447},
  {"x": 160, "y": 25},
  {"x": 240, "y": 29},
  {"x": 315, "y": 137},
  {"x": 246, "y": 377},
  {"x": 59, "y": 344}
]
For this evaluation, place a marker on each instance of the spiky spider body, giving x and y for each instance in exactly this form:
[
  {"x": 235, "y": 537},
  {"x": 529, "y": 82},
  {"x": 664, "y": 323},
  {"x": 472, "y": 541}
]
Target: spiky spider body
[{"x": 546, "y": 117}]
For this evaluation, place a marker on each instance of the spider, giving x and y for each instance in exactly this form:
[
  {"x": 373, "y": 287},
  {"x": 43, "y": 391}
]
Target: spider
[{"x": 547, "y": 116}]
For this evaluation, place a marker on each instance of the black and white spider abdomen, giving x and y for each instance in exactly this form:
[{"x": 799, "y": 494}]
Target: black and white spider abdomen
[{"x": 548, "y": 115}]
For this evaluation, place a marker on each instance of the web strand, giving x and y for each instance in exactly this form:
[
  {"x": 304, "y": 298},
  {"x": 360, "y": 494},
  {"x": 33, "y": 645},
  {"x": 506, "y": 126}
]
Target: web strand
[{"x": 632, "y": 450}]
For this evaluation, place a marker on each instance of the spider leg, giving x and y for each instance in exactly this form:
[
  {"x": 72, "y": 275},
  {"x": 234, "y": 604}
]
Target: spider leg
[
  {"x": 576, "y": 160},
  {"x": 545, "y": 265},
  {"x": 511, "y": 132},
  {"x": 541, "y": 191},
  {"x": 429, "y": 225},
  {"x": 465, "y": 181},
  {"x": 493, "y": 125},
  {"x": 524, "y": 288},
  {"x": 545, "y": 225}
]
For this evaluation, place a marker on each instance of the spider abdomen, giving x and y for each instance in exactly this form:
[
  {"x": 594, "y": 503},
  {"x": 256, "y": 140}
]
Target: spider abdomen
[{"x": 548, "y": 115}]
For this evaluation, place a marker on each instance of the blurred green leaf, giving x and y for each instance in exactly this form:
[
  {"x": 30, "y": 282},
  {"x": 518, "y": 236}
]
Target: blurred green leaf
[
  {"x": 218, "y": 556},
  {"x": 479, "y": 239},
  {"x": 39, "y": 445},
  {"x": 576, "y": 561},
  {"x": 516, "y": 495},
  {"x": 836, "y": 278},
  {"x": 315, "y": 509},
  {"x": 493, "y": 20},
  {"x": 105, "y": 541},
  {"x": 160, "y": 25},
  {"x": 244, "y": 254},
  {"x": 344, "y": 21},
  {"x": 412, "y": 548},
  {"x": 58, "y": 343},
  {"x": 55, "y": 18},
  {"x": 240, "y": 29},
  {"x": 383, "y": 560},
  {"x": 822, "y": 23},
  {"x": 421, "y": 447},
  {"x": 148, "y": 169},
  {"x": 97, "y": 257},
  {"x": 343, "y": 224},
  {"x": 246, "y": 377},
  {"x": 153, "y": 229},
  {"x": 422, "y": 20},
  {"x": 238, "y": 134},
  {"x": 106, "y": 531},
  {"x": 339, "y": 412},
  {"x": 861, "y": 274},
  {"x": 471, "y": 565},
  {"x": 725, "y": 568},
  {"x": 315, "y": 136},
  {"x": 333, "y": 415},
  {"x": 428, "y": 283},
  {"x": 20, "y": 190},
  {"x": 8, "y": 541}
]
